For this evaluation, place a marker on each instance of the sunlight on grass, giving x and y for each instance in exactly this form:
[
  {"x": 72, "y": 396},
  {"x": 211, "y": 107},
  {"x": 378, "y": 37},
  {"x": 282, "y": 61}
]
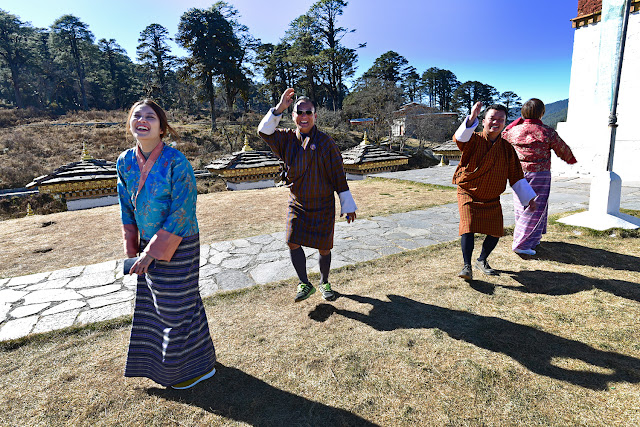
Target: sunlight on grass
[
  {"x": 555, "y": 342},
  {"x": 580, "y": 366}
]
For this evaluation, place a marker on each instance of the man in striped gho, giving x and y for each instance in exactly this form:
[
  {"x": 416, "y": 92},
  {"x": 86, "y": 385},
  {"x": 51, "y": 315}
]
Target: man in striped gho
[
  {"x": 487, "y": 163},
  {"x": 313, "y": 172}
]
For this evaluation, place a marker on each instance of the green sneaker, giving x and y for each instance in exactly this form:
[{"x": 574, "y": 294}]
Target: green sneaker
[
  {"x": 305, "y": 290},
  {"x": 327, "y": 293}
]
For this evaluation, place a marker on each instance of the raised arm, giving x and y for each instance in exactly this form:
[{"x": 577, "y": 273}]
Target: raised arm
[
  {"x": 285, "y": 101},
  {"x": 271, "y": 120},
  {"x": 475, "y": 111},
  {"x": 464, "y": 132}
]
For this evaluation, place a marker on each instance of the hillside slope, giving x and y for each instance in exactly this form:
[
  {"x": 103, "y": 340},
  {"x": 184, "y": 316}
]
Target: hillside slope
[{"x": 554, "y": 112}]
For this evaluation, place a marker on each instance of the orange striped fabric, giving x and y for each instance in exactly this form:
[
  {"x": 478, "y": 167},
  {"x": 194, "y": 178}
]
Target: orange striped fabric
[{"x": 481, "y": 177}]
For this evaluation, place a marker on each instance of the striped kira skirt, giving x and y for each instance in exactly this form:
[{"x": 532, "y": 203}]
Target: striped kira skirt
[
  {"x": 530, "y": 226},
  {"x": 170, "y": 340}
]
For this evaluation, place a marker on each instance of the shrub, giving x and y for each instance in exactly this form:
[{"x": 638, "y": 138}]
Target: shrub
[{"x": 41, "y": 204}]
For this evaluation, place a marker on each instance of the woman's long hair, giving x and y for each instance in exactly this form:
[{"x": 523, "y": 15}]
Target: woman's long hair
[{"x": 162, "y": 116}]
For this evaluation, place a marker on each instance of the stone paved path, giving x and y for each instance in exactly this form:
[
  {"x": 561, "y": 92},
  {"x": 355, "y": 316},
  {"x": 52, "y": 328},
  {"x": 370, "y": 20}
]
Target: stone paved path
[{"x": 80, "y": 295}]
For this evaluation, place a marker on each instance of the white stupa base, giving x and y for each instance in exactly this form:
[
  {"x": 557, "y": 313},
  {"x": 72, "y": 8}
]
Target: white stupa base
[
  {"x": 604, "y": 206},
  {"x": 95, "y": 202},
  {"x": 355, "y": 177},
  {"x": 602, "y": 221},
  {"x": 250, "y": 185}
]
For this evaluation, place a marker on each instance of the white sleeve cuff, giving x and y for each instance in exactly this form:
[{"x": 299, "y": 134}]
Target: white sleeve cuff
[
  {"x": 269, "y": 123},
  {"x": 463, "y": 134},
  {"x": 524, "y": 191},
  {"x": 347, "y": 204}
]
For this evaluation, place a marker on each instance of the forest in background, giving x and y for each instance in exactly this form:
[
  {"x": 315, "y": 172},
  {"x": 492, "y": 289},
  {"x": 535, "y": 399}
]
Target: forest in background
[
  {"x": 51, "y": 77},
  {"x": 228, "y": 71}
]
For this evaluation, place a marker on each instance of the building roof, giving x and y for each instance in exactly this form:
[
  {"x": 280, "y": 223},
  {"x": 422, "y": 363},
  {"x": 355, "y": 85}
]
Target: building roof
[
  {"x": 247, "y": 158},
  {"x": 360, "y": 121},
  {"x": 85, "y": 170},
  {"x": 244, "y": 160},
  {"x": 367, "y": 153},
  {"x": 447, "y": 146},
  {"x": 590, "y": 12}
]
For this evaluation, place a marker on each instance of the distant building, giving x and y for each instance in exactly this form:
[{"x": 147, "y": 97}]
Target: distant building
[
  {"x": 85, "y": 184},
  {"x": 407, "y": 117},
  {"x": 586, "y": 129}
]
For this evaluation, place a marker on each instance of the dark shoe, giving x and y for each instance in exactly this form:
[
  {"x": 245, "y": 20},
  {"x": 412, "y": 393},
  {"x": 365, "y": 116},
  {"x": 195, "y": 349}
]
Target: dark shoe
[
  {"x": 486, "y": 268},
  {"x": 305, "y": 290},
  {"x": 466, "y": 272},
  {"x": 327, "y": 293}
]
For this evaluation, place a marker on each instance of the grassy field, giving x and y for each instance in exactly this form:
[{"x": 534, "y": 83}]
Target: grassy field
[
  {"x": 551, "y": 341},
  {"x": 49, "y": 242}
]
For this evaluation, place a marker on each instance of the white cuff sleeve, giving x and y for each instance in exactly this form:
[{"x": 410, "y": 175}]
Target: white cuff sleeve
[
  {"x": 524, "y": 191},
  {"x": 347, "y": 204},
  {"x": 463, "y": 134},
  {"x": 269, "y": 123}
]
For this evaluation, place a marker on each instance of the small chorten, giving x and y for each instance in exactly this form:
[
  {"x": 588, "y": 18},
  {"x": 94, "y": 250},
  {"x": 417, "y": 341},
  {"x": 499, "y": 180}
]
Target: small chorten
[
  {"x": 449, "y": 153},
  {"x": 85, "y": 184},
  {"x": 85, "y": 153},
  {"x": 365, "y": 140},
  {"x": 29, "y": 210},
  {"x": 367, "y": 158},
  {"x": 246, "y": 147},
  {"x": 246, "y": 169}
]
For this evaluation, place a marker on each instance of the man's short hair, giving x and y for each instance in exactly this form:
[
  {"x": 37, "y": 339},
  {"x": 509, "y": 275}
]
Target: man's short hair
[
  {"x": 301, "y": 99},
  {"x": 498, "y": 107},
  {"x": 533, "y": 109}
]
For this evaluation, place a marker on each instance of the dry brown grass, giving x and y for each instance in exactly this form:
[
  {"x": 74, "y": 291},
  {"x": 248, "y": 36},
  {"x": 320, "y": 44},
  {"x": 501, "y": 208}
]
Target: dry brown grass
[
  {"x": 50, "y": 242},
  {"x": 32, "y": 145},
  {"x": 551, "y": 341},
  {"x": 28, "y": 150}
]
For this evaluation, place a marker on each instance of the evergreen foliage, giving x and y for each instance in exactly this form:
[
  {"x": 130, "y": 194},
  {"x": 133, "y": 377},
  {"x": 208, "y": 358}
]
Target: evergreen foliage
[{"x": 228, "y": 71}]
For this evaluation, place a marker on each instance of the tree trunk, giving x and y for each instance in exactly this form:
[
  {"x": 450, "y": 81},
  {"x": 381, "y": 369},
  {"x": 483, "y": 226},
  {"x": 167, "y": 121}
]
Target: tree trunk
[
  {"x": 83, "y": 92},
  {"x": 212, "y": 99},
  {"x": 16, "y": 86},
  {"x": 230, "y": 98}
]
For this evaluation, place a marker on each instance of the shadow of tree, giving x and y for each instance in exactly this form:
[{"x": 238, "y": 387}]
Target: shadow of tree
[
  {"x": 561, "y": 283},
  {"x": 236, "y": 395},
  {"x": 537, "y": 350},
  {"x": 568, "y": 253}
]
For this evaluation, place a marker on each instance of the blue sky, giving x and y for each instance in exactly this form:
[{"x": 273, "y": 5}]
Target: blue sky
[{"x": 519, "y": 45}]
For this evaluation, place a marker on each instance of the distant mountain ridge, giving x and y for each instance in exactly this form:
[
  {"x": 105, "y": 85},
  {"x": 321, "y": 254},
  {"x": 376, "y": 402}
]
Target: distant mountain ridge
[{"x": 554, "y": 112}]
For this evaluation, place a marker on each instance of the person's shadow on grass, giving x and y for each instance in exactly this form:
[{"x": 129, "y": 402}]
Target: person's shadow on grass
[
  {"x": 537, "y": 350},
  {"x": 561, "y": 283},
  {"x": 555, "y": 283},
  {"x": 236, "y": 395},
  {"x": 569, "y": 253}
]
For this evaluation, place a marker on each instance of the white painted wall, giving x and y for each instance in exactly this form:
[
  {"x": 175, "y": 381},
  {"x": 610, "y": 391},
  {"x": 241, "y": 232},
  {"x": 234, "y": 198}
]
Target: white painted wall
[
  {"x": 252, "y": 185},
  {"x": 586, "y": 129},
  {"x": 78, "y": 204}
]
